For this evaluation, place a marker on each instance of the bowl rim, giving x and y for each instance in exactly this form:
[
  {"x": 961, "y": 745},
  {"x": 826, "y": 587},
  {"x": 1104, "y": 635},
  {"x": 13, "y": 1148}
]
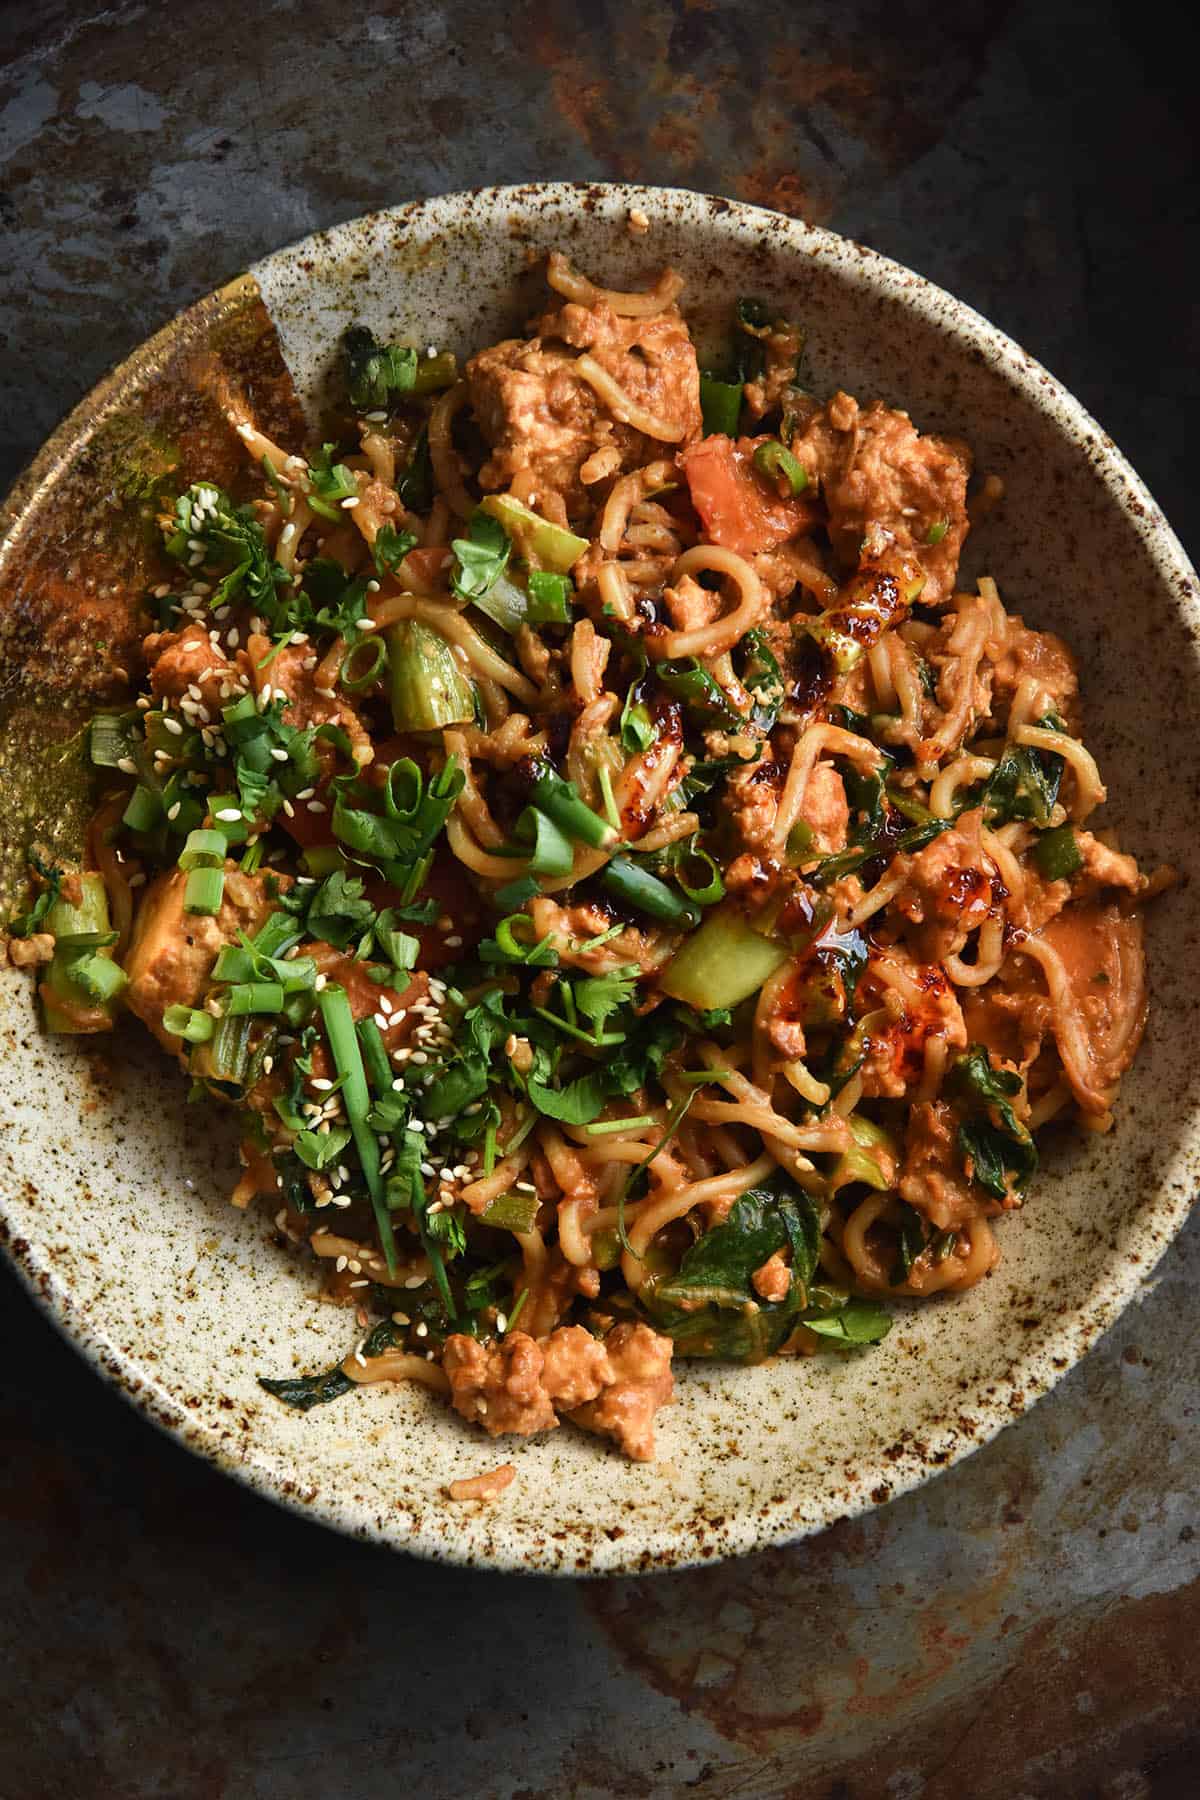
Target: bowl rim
[{"x": 643, "y": 1547}]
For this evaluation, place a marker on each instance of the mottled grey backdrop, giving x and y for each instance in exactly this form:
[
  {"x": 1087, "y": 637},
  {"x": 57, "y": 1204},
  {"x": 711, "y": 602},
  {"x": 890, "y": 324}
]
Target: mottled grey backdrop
[{"x": 1030, "y": 1624}]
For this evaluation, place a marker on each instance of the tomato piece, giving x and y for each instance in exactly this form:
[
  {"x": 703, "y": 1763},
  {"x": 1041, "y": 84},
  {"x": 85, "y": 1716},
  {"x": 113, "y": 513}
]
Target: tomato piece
[{"x": 738, "y": 508}]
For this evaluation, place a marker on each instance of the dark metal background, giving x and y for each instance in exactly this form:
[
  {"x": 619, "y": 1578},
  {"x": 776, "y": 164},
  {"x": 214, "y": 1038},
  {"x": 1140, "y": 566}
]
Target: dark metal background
[{"x": 1027, "y": 1626}]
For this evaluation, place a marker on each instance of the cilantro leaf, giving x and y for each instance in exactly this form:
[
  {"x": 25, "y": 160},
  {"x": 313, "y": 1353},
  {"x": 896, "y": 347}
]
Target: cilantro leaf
[
  {"x": 578, "y": 1103},
  {"x": 375, "y": 371},
  {"x": 482, "y": 557},
  {"x": 390, "y": 548}
]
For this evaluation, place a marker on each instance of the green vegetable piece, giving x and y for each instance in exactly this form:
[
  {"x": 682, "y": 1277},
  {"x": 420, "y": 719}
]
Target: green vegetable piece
[
  {"x": 872, "y": 1152},
  {"x": 505, "y": 604},
  {"x": 111, "y": 740},
  {"x": 510, "y": 898},
  {"x": 144, "y": 810},
  {"x": 995, "y": 1146},
  {"x": 347, "y": 1060},
  {"x": 511, "y": 1212},
  {"x": 482, "y": 557},
  {"x": 560, "y": 801},
  {"x": 937, "y": 531},
  {"x": 190, "y": 1022},
  {"x": 549, "y": 598},
  {"x": 777, "y": 463},
  {"x": 550, "y": 546},
  {"x": 204, "y": 891},
  {"x": 364, "y": 664},
  {"x": 1057, "y": 853},
  {"x": 428, "y": 686},
  {"x": 857, "y": 1322},
  {"x": 303, "y": 1392},
  {"x": 254, "y": 997},
  {"x": 720, "y": 406},
  {"x": 204, "y": 850},
  {"x": 552, "y": 850},
  {"x": 627, "y": 881},
  {"x": 722, "y": 964}
]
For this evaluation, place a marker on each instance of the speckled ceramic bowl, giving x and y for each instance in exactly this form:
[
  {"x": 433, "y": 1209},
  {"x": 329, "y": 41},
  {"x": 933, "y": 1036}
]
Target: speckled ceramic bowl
[{"x": 114, "y": 1190}]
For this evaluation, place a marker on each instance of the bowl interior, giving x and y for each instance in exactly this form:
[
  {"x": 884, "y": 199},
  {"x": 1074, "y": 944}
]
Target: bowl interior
[{"x": 114, "y": 1189}]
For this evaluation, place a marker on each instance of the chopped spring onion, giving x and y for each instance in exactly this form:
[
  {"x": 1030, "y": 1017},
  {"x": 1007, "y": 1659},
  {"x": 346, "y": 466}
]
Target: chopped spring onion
[
  {"x": 629, "y": 882},
  {"x": 937, "y": 531},
  {"x": 560, "y": 800},
  {"x": 700, "y": 878},
  {"x": 225, "y": 1057},
  {"x": 375, "y": 1057},
  {"x": 724, "y": 963},
  {"x": 204, "y": 891},
  {"x": 254, "y": 997},
  {"x": 549, "y": 598},
  {"x": 348, "y": 1063},
  {"x": 1057, "y": 853},
  {"x": 144, "y": 811},
  {"x": 184, "y": 805},
  {"x": 81, "y": 929},
  {"x": 511, "y": 1212},
  {"x": 514, "y": 894},
  {"x": 776, "y": 462},
  {"x": 110, "y": 742},
  {"x": 190, "y": 1022},
  {"x": 99, "y": 976},
  {"x": 720, "y": 405},
  {"x": 363, "y": 665},
  {"x": 204, "y": 849},
  {"x": 428, "y": 687},
  {"x": 553, "y": 852},
  {"x": 611, "y": 811}
]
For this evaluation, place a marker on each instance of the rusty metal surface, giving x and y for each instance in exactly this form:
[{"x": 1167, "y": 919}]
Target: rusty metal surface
[{"x": 1027, "y": 1625}]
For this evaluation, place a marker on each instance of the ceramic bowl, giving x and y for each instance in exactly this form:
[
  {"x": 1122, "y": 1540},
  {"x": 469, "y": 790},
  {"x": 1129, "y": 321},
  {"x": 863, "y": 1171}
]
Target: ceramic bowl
[{"x": 114, "y": 1190}]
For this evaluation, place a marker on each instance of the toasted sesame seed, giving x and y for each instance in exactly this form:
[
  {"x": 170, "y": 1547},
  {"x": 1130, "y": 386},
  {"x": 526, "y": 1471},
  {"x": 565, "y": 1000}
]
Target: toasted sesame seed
[
  {"x": 233, "y": 637},
  {"x": 319, "y": 983},
  {"x": 315, "y": 806},
  {"x": 279, "y": 754},
  {"x": 349, "y": 504},
  {"x": 421, "y": 1330},
  {"x": 173, "y": 725},
  {"x": 227, "y": 815},
  {"x": 358, "y": 1284},
  {"x": 321, "y": 1083},
  {"x": 501, "y": 1323},
  {"x": 138, "y": 880},
  {"x": 414, "y": 1281},
  {"x": 306, "y": 793},
  {"x": 340, "y": 1264},
  {"x": 399, "y": 1318},
  {"x": 453, "y": 943}
]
